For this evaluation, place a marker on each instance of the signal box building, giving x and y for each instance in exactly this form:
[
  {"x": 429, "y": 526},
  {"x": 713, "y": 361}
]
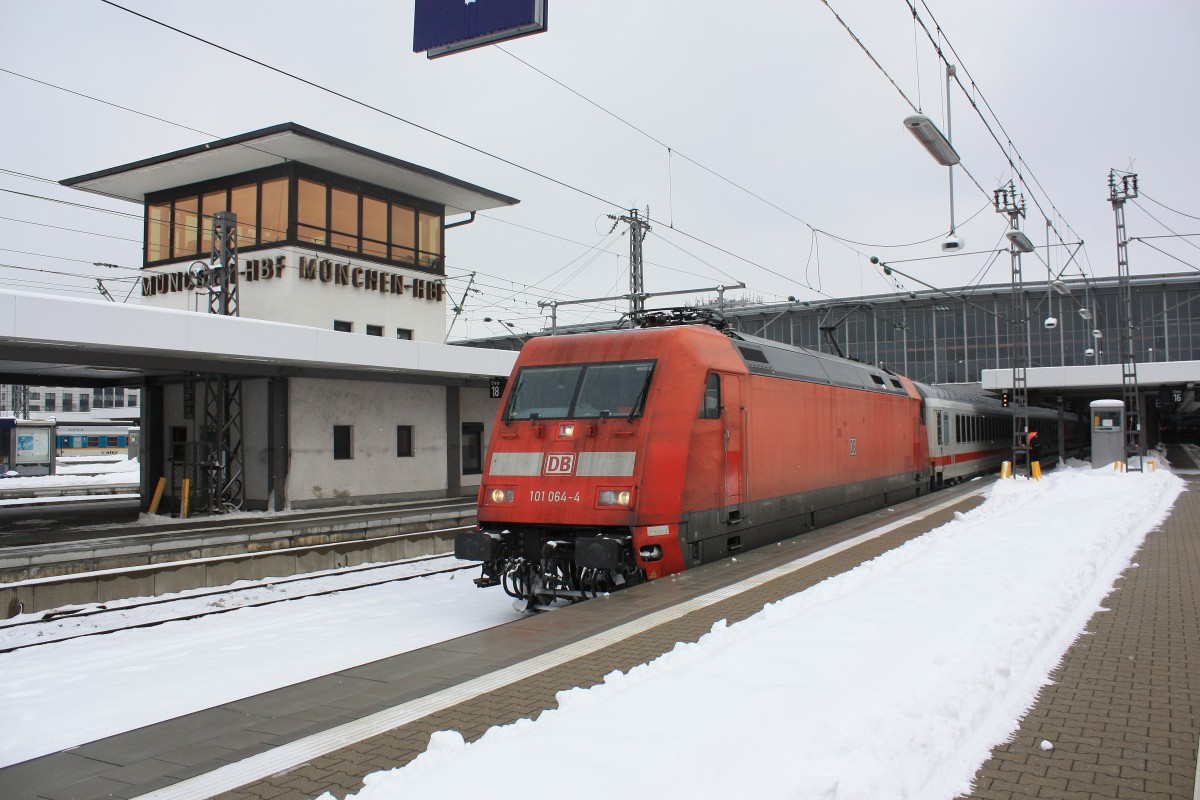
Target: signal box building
[
  {"x": 333, "y": 236},
  {"x": 329, "y": 234}
]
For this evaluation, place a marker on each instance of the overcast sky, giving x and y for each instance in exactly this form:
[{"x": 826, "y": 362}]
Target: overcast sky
[{"x": 772, "y": 96}]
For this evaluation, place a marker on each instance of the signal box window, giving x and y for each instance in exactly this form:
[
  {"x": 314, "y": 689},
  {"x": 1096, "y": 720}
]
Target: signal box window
[
  {"x": 343, "y": 442},
  {"x": 311, "y": 208},
  {"x": 404, "y": 441},
  {"x": 712, "y": 398},
  {"x": 472, "y": 448},
  {"x": 343, "y": 326},
  {"x": 403, "y": 333},
  {"x": 374, "y": 330}
]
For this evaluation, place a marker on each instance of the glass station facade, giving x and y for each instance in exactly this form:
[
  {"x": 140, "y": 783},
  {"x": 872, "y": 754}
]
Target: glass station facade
[{"x": 951, "y": 336}]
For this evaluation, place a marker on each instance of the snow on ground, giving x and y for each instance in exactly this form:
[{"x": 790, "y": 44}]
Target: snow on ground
[
  {"x": 77, "y": 474},
  {"x": 99, "y": 465},
  {"x": 891, "y": 681},
  {"x": 894, "y": 680},
  {"x": 61, "y": 695},
  {"x": 89, "y": 619}
]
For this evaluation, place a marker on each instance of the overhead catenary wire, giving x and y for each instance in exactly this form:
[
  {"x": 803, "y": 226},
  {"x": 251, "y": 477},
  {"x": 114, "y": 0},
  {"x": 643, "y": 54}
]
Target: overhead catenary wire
[
  {"x": 1164, "y": 225},
  {"x": 196, "y": 227},
  {"x": 814, "y": 251},
  {"x": 320, "y": 87},
  {"x": 674, "y": 151},
  {"x": 974, "y": 105},
  {"x": 1011, "y": 152},
  {"x": 1168, "y": 208},
  {"x": 1164, "y": 252},
  {"x": 362, "y": 104},
  {"x": 70, "y": 230},
  {"x": 59, "y": 272},
  {"x": 69, "y": 203},
  {"x": 376, "y": 109}
]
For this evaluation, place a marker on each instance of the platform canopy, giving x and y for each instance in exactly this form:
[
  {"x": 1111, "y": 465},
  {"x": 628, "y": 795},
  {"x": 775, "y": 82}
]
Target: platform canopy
[
  {"x": 47, "y": 340},
  {"x": 279, "y": 144}
]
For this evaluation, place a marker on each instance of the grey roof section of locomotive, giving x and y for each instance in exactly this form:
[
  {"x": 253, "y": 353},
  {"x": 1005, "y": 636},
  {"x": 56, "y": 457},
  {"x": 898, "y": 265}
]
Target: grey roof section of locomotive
[{"x": 768, "y": 357}]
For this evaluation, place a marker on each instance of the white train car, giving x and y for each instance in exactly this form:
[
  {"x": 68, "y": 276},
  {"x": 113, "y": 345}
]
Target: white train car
[{"x": 971, "y": 434}]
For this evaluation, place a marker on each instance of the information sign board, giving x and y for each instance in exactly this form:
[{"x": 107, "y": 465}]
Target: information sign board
[{"x": 442, "y": 27}]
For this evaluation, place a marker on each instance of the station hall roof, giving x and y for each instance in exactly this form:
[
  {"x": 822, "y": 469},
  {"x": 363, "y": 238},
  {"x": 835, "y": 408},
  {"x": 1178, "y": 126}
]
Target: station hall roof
[{"x": 281, "y": 144}]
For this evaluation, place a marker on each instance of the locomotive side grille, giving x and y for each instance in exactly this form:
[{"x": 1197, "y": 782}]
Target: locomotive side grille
[
  {"x": 516, "y": 464},
  {"x": 612, "y": 464}
]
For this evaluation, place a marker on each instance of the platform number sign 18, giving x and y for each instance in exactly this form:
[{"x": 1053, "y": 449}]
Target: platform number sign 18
[
  {"x": 496, "y": 388},
  {"x": 853, "y": 445}
]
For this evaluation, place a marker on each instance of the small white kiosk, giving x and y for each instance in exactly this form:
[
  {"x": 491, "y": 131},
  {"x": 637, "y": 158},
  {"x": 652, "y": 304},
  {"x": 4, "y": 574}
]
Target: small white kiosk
[{"x": 1108, "y": 432}]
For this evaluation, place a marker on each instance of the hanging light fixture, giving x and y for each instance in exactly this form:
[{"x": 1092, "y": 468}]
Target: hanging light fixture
[
  {"x": 932, "y": 139},
  {"x": 1020, "y": 242},
  {"x": 943, "y": 152}
]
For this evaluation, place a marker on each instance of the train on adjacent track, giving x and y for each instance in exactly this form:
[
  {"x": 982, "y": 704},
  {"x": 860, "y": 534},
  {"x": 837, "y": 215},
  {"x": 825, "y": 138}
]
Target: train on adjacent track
[
  {"x": 94, "y": 440},
  {"x": 628, "y": 455}
]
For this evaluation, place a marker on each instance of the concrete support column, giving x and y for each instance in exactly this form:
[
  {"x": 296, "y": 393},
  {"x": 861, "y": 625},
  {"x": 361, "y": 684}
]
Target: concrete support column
[
  {"x": 152, "y": 455},
  {"x": 277, "y": 443},
  {"x": 453, "y": 443}
]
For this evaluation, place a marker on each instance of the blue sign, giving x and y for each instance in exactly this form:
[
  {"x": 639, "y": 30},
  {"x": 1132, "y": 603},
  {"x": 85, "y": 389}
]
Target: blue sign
[{"x": 441, "y": 27}]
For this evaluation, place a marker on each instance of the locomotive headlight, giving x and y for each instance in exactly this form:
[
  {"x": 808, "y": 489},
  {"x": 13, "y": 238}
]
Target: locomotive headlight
[
  {"x": 566, "y": 431},
  {"x": 501, "y": 496},
  {"x": 621, "y": 498}
]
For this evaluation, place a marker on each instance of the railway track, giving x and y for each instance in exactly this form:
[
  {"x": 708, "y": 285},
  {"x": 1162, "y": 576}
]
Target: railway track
[
  {"x": 241, "y": 522},
  {"x": 88, "y": 568},
  {"x": 68, "y": 623}
]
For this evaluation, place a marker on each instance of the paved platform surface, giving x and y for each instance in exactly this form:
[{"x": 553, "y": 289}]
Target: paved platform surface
[
  {"x": 202, "y": 748},
  {"x": 1123, "y": 711}
]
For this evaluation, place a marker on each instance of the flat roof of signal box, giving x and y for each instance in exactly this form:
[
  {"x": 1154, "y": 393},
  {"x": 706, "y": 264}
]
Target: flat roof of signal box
[{"x": 279, "y": 144}]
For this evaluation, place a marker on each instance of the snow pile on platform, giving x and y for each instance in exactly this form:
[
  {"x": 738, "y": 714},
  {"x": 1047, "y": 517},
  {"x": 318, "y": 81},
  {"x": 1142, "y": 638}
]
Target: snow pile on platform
[
  {"x": 894, "y": 680},
  {"x": 125, "y": 471},
  {"x": 83, "y": 465}
]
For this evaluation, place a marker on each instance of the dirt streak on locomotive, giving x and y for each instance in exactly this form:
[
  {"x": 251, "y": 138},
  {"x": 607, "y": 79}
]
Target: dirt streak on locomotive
[{"x": 628, "y": 455}]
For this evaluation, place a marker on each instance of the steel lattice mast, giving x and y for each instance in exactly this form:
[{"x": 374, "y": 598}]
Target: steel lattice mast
[
  {"x": 1009, "y": 203},
  {"x": 1118, "y": 192},
  {"x": 223, "y": 395}
]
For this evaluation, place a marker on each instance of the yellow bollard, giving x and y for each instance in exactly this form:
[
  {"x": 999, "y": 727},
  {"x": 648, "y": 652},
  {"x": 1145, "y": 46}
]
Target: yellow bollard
[
  {"x": 183, "y": 503},
  {"x": 1035, "y": 470},
  {"x": 1006, "y": 470},
  {"x": 1153, "y": 467},
  {"x": 158, "y": 492}
]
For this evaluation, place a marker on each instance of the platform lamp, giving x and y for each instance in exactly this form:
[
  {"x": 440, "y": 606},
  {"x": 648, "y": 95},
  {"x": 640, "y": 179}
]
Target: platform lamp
[
  {"x": 943, "y": 152},
  {"x": 1061, "y": 287}
]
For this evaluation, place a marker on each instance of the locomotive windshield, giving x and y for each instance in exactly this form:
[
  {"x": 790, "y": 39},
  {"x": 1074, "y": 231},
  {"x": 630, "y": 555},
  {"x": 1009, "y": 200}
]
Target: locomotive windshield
[{"x": 580, "y": 391}]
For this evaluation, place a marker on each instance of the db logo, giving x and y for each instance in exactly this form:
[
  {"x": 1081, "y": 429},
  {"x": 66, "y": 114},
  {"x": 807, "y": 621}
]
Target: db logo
[{"x": 559, "y": 464}]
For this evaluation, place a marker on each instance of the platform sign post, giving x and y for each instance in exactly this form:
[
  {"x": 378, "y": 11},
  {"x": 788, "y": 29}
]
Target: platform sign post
[{"x": 442, "y": 27}]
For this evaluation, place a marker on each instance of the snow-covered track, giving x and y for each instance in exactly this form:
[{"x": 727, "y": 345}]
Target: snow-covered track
[{"x": 67, "y": 623}]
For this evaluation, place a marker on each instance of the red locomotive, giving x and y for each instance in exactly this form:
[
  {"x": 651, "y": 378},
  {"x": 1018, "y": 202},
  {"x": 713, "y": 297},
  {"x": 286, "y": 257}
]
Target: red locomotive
[{"x": 629, "y": 455}]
